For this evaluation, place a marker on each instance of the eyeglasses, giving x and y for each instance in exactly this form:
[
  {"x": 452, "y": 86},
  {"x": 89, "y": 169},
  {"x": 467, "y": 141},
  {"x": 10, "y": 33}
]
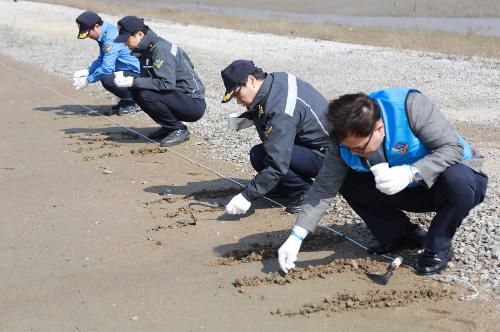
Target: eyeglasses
[
  {"x": 237, "y": 92},
  {"x": 361, "y": 150}
]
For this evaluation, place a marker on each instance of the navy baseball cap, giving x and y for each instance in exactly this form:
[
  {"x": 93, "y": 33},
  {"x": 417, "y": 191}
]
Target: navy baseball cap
[
  {"x": 86, "y": 21},
  {"x": 233, "y": 74},
  {"x": 128, "y": 26}
]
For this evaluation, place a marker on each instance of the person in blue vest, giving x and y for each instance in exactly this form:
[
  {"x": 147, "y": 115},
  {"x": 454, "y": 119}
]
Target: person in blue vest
[
  {"x": 394, "y": 151},
  {"x": 112, "y": 57}
]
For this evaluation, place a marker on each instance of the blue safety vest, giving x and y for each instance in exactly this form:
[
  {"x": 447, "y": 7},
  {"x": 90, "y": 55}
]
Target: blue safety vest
[{"x": 401, "y": 145}]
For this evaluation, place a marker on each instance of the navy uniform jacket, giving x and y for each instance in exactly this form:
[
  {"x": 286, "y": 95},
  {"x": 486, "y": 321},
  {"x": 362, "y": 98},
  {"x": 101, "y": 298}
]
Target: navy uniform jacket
[
  {"x": 112, "y": 56},
  {"x": 166, "y": 67},
  {"x": 286, "y": 112}
]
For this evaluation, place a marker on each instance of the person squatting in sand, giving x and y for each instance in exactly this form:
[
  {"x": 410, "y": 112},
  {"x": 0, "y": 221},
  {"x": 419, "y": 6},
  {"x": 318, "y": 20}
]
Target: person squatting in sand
[
  {"x": 289, "y": 116},
  {"x": 112, "y": 57},
  {"x": 419, "y": 163},
  {"x": 168, "y": 89}
]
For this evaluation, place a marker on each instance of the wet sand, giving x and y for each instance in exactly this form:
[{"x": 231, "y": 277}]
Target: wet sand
[
  {"x": 102, "y": 231},
  {"x": 87, "y": 243}
]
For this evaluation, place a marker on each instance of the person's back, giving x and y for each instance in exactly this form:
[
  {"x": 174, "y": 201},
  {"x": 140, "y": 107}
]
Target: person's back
[
  {"x": 288, "y": 114},
  {"x": 301, "y": 101},
  {"x": 168, "y": 89},
  {"x": 161, "y": 59}
]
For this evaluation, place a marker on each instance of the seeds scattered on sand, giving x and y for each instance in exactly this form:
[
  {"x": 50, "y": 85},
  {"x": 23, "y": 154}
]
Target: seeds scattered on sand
[
  {"x": 349, "y": 301},
  {"x": 311, "y": 272},
  {"x": 144, "y": 151},
  {"x": 258, "y": 252}
]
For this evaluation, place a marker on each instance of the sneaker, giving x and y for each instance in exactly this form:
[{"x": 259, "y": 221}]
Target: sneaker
[
  {"x": 160, "y": 133},
  {"x": 128, "y": 107},
  {"x": 295, "y": 205},
  {"x": 118, "y": 105},
  {"x": 411, "y": 240},
  {"x": 175, "y": 137},
  {"x": 431, "y": 262}
]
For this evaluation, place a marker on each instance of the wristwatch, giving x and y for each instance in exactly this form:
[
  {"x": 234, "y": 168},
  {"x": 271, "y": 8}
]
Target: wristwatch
[{"x": 417, "y": 177}]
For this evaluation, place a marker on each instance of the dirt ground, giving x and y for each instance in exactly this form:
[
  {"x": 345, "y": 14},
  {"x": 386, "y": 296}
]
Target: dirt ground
[{"x": 104, "y": 232}]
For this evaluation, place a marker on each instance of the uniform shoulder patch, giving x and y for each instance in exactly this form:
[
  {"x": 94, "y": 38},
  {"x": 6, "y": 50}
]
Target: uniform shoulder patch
[
  {"x": 108, "y": 48},
  {"x": 158, "y": 63}
]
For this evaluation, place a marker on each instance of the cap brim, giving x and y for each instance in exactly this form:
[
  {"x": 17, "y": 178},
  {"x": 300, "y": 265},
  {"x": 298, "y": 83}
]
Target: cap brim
[
  {"x": 228, "y": 96},
  {"x": 83, "y": 34},
  {"x": 122, "y": 38}
]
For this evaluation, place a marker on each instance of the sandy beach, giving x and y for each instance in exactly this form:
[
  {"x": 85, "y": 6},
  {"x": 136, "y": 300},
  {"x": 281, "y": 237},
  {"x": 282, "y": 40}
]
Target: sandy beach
[{"x": 106, "y": 232}]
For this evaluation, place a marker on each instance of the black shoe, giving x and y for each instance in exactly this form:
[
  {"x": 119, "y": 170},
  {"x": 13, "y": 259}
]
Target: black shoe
[
  {"x": 128, "y": 107},
  {"x": 118, "y": 105},
  {"x": 411, "y": 240},
  {"x": 295, "y": 205},
  {"x": 159, "y": 134},
  {"x": 175, "y": 137},
  {"x": 431, "y": 262}
]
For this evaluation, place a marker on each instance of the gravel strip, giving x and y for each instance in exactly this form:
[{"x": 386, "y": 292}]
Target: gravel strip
[{"x": 465, "y": 88}]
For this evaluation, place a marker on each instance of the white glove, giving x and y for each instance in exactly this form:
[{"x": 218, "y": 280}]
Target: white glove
[
  {"x": 287, "y": 253},
  {"x": 81, "y": 73},
  {"x": 124, "y": 82},
  {"x": 238, "y": 205},
  {"x": 80, "y": 82},
  {"x": 392, "y": 180}
]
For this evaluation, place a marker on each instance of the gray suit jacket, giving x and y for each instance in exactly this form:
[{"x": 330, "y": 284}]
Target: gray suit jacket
[{"x": 428, "y": 124}]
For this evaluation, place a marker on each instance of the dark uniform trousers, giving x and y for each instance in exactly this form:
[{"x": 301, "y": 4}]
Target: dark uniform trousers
[
  {"x": 108, "y": 83},
  {"x": 169, "y": 108},
  {"x": 457, "y": 190},
  {"x": 304, "y": 166}
]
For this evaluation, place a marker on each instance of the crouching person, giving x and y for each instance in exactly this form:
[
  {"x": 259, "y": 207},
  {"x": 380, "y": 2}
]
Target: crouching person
[
  {"x": 112, "y": 57},
  {"x": 418, "y": 163},
  {"x": 289, "y": 116},
  {"x": 168, "y": 89}
]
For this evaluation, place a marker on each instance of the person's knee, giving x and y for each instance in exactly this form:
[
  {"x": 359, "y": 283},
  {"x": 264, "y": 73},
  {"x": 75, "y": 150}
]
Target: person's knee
[
  {"x": 459, "y": 186},
  {"x": 257, "y": 154},
  {"x": 107, "y": 82},
  {"x": 357, "y": 185},
  {"x": 143, "y": 95}
]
